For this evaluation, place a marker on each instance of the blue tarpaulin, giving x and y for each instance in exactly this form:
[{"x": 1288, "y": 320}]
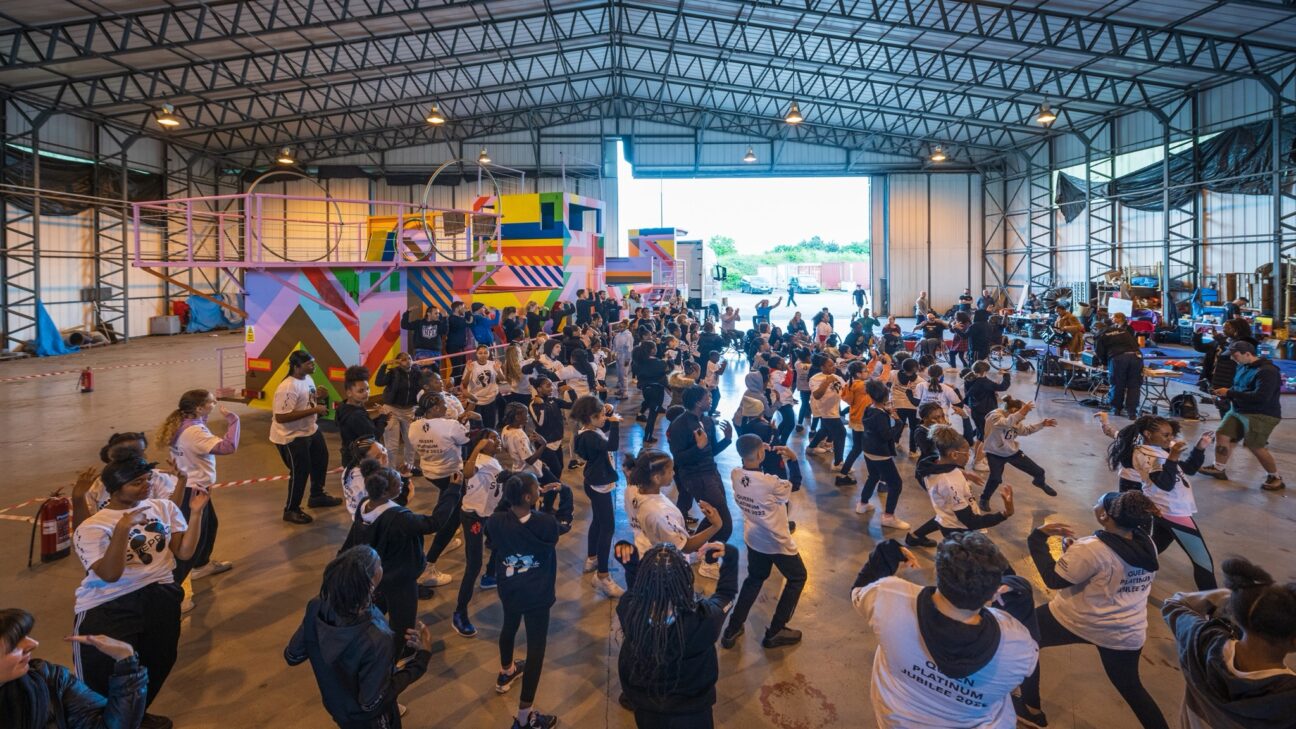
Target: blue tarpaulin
[
  {"x": 49, "y": 340},
  {"x": 205, "y": 315}
]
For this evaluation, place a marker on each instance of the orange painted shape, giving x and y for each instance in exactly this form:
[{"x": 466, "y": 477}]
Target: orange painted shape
[{"x": 258, "y": 364}]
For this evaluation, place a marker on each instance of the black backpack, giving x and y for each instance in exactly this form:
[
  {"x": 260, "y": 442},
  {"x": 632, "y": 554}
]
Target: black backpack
[{"x": 1184, "y": 406}]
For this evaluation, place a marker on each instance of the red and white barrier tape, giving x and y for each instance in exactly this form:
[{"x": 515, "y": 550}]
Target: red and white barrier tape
[
  {"x": 40, "y": 375},
  {"x": 223, "y": 485}
]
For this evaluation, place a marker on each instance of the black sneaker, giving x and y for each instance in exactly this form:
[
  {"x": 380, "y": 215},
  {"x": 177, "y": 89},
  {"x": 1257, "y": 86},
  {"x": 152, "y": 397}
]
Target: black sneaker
[
  {"x": 564, "y": 527},
  {"x": 573, "y": 464},
  {"x": 156, "y": 721},
  {"x": 504, "y": 681},
  {"x": 729, "y": 640},
  {"x": 416, "y": 471},
  {"x": 1048, "y": 489},
  {"x": 1028, "y": 716},
  {"x": 462, "y": 625},
  {"x": 297, "y": 516},
  {"x": 984, "y": 505},
  {"x": 426, "y": 592},
  {"x": 690, "y": 521},
  {"x": 1273, "y": 483},
  {"x": 321, "y": 501},
  {"x": 786, "y": 636},
  {"x": 913, "y": 540},
  {"x": 844, "y": 480},
  {"x": 1214, "y": 472},
  {"x": 641, "y": 418},
  {"x": 791, "y": 527},
  {"x": 537, "y": 721}
]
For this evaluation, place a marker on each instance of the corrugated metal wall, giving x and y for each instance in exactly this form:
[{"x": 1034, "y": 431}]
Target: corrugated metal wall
[{"x": 932, "y": 237}]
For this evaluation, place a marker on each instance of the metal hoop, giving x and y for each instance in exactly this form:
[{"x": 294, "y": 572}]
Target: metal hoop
[
  {"x": 337, "y": 244},
  {"x": 425, "y": 208}
]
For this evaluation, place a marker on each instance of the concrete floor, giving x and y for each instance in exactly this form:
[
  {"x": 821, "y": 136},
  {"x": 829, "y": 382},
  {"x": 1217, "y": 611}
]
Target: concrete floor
[{"x": 231, "y": 673}]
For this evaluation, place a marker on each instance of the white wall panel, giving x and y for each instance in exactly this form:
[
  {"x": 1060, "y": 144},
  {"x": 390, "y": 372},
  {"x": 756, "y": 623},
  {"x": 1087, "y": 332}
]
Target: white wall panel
[
  {"x": 1233, "y": 104},
  {"x": 934, "y": 238}
]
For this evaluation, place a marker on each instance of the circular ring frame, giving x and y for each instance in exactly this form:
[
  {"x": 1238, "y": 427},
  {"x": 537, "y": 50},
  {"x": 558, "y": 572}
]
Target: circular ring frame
[
  {"x": 336, "y": 244},
  {"x": 425, "y": 208}
]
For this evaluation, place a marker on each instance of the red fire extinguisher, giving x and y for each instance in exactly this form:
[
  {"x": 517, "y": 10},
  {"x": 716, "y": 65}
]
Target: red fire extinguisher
[
  {"x": 87, "y": 380},
  {"x": 54, "y": 521}
]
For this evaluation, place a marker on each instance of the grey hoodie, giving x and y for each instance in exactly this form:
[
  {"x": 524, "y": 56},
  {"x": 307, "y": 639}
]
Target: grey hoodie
[
  {"x": 1002, "y": 431},
  {"x": 1215, "y": 696}
]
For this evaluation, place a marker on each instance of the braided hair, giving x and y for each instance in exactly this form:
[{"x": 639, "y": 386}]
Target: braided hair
[{"x": 651, "y": 618}]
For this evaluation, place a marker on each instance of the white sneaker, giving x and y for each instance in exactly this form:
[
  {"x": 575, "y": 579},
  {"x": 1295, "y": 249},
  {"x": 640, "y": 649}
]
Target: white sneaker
[
  {"x": 591, "y": 564},
  {"x": 434, "y": 577},
  {"x": 186, "y": 605},
  {"x": 824, "y": 447},
  {"x": 211, "y": 568},
  {"x": 709, "y": 570},
  {"x": 982, "y": 465},
  {"x": 864, "y": 507},
  {"x": 891, "y": 521},
  {"x": 607, "y": 585},
  {"x": 454, "y": 544}
]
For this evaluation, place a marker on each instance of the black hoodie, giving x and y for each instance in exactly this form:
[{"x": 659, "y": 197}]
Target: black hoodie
[
  {"x": 958, "y": 649},
  {"x": 355, "y": 666},
  {"x": 1215, "y": 694}
]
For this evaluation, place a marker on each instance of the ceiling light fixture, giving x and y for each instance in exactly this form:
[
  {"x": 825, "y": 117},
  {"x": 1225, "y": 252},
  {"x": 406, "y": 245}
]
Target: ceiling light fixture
[
  {"x": 483, "y": 158},
  {"x": 285, "y": 156},
  {"x": 166, "y": 117},
  {"x": 434, "y": 116},
  {"x": 794, "y": 115},
  {"x": 750, "y": 156},
  {"x": 1046, "y": 115},
  {"x": 938, "y": 155}
]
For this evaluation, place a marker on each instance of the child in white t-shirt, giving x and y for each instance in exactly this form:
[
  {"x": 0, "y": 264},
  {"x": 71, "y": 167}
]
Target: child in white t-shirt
[
  {"x": 653, "y": 517},
  {"x": 946, "y": 482},
  {"x": 483, "y": 488},
  {"x": 946, "y": 656},
  {"x": 481, "y": 380},
  {"x": 763, "y": 499}
]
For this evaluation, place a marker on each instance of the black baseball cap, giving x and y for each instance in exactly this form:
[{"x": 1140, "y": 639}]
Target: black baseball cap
[
  {"x": 119, "y": 473},
  {"x": 299, "y": 357},
  {"x": 1241, "y": 346}
]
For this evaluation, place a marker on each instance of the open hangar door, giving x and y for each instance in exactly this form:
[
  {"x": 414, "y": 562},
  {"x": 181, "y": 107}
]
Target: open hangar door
[{"x": 926, "y": 233}]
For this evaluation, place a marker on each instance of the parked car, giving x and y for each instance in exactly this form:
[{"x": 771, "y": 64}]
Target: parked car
[
  {"x": 755, "y": 285},
  {"x": 805, "y": 284}
]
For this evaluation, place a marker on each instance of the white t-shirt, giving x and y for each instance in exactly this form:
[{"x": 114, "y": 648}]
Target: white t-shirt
[
  {"x": 1108, "y": 604},
  {"x": 1178, "y": 501},
  {"x": 192, "y": 452},
  {"x": 437, "y": 441},
  {"x": 482, "y": 381},
  {"x": 782, "y": 393},
  {"x": 148, "y": 554},
  {"x": 763, "y": 499},
  {"x": 292, "y": 395},
  {"x": 353, "y": 489},
  {"x": 483, "y": 491},
  {"x": 712, "y": 374},
  {"x": 828, "y": 406},
  {"x": 823, "y": 329},
  {"x": 949, "y": 493},
  {"x": 654, "y": 519},
  {"x": 161, "y": 486},
  {"x": 909, "y": 692},
  {"x": 574, "y": 379},
  {"x": 943, "y": 394},
  {"x": 516, "y": 448}
]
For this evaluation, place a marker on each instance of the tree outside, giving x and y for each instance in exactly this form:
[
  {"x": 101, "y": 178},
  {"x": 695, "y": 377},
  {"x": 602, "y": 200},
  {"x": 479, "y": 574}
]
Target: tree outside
[{"x": 812, "y": 250}]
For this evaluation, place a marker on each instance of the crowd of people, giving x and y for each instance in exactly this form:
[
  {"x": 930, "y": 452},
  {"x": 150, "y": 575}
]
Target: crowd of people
[{"x": 500, "y": 415}]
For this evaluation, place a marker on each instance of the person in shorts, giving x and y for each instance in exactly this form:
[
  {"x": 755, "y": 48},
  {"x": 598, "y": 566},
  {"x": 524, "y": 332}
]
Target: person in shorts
[{"x": 1254, "y": 415}]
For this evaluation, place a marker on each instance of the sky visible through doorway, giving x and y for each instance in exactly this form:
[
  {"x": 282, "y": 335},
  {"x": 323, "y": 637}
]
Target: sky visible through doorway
[{"x": 757, "y": 213}]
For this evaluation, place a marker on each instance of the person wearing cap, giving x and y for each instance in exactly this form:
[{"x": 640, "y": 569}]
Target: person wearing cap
[
  {"x": 129, "y": 550},
  {"x": 1255, "y": 413},
  {"x": 295, "y": 433}
]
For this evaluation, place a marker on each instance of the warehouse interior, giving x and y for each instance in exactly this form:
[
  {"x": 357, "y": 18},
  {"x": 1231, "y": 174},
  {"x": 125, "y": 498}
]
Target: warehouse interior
[{"x": 1145, "y": 150}]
